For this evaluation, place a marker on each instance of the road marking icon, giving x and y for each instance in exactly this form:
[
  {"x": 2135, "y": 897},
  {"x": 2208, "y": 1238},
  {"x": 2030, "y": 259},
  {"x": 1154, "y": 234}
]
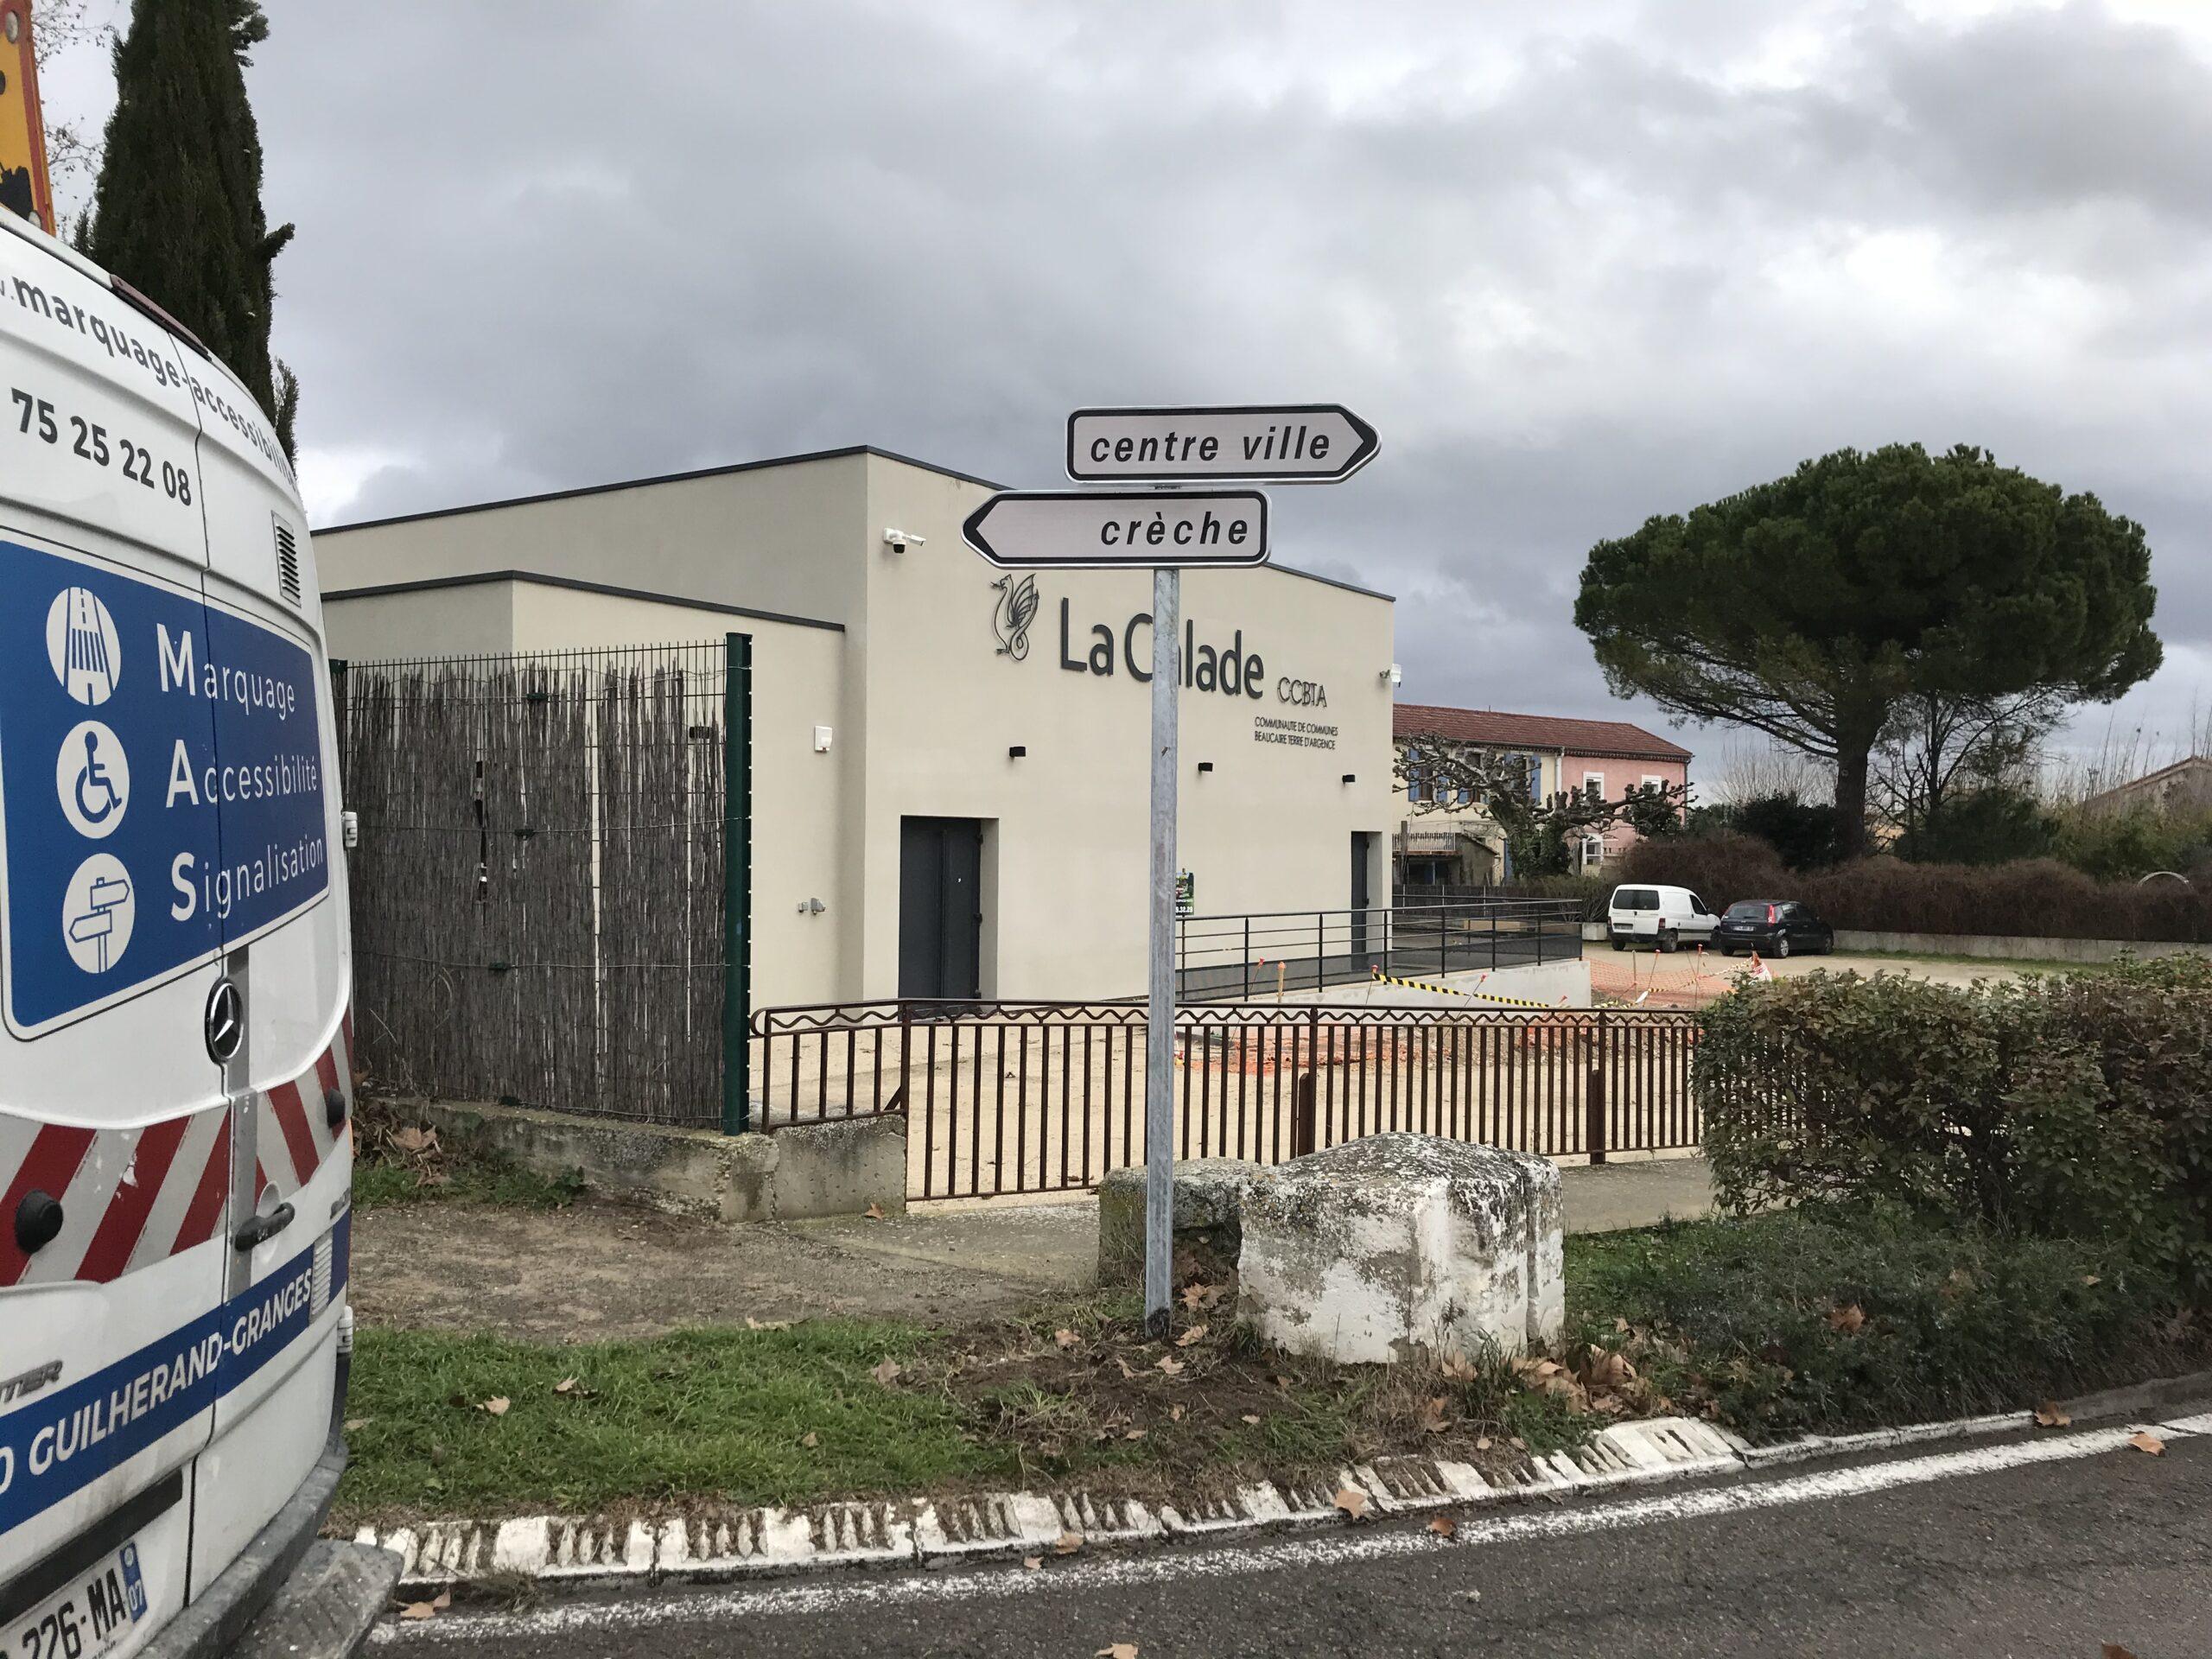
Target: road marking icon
[
  {"x": 81, "y": 646},
  {"x": 96, "y": 913},
  {"x": 91, "y": 777}
]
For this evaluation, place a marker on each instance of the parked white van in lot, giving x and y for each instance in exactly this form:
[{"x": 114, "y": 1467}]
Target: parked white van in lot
[
  {"x": 175, "y": 1080},
  {"x": 1658, "y": 916}
]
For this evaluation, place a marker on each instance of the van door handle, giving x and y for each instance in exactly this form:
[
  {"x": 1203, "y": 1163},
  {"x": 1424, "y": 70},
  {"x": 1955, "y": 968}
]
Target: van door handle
[{"x": 262, "y": 1228}]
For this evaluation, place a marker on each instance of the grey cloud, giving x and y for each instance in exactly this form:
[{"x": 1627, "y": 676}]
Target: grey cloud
[{"x": 1579, "y": 265}]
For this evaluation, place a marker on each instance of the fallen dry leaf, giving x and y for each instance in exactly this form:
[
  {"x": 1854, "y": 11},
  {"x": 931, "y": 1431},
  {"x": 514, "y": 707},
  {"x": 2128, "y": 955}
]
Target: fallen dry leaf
[
  {"x": 1443, "y": 1525},
  {"x": 1134, "y": 1434},
  {"x": 752, "y": 1323},
  {"x": 497, "y": 1405},
  {"x": 417, "y": 1610},
  {"x": 1129, "y": 1372},
  {"x": 1458, "y": 1368},
  {"x": 352, "y": 1423},
  {"x": 887, "y": 1372},
  {"x": 2050, "y": 1416},
  {"x": 874, "y": 1213},
  {"x": 1197, "y": 1295},
  {"x": 1354, "y": 1505},
  {"x": 1067, "y": 1543},
  {"x": 1195, "y": 1334},
  {"x": 1482, "y": 1443},
  {"x": 2092, "y": 1279},
  {"x": 2113, "y": 1651},
  {"x": 1175, "y": 1413},
  {"x": 2151, "y": 1443},
  {"x": 1250, "y": 1418},
  {"x": 1170, "y": 1364},
  {"x": 1118, "y": 1651},
  {"x": 1282, "y": 1381},
  {"x": 1033, "y": 1562},
  {"x": 1433, "y": 1419},
  {"x": 1065, "y": 1338},
  {"x": 809, "y": 1439},
  {"x": 567, "y": 1385},
  {"x": 1848, "y": 1319}
]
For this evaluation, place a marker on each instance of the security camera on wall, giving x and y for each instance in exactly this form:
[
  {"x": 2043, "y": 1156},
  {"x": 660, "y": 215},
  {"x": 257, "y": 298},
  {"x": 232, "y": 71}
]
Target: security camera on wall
[{"x": 898, "y": 540}]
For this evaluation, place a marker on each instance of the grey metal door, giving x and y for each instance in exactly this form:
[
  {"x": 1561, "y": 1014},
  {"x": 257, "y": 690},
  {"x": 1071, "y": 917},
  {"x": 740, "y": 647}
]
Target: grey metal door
[{"x": 940, "y": 907}]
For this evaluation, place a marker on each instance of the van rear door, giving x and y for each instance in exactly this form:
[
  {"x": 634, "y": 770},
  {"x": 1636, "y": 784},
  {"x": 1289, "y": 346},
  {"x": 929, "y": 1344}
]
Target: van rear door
[
  {"x": 115, "y": 1142},
  {"x": 278, "y": 893}
]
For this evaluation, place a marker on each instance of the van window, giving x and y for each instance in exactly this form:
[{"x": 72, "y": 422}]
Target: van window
[{"x": 1637, "y": 899}]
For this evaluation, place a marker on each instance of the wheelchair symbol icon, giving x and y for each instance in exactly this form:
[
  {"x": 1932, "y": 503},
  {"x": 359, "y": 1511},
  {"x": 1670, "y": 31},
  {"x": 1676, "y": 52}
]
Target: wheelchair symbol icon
[{"x": 92, "y": 778}]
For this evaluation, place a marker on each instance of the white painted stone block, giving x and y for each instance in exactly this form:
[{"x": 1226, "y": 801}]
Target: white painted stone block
[{"x": 1399, "y": 1245}]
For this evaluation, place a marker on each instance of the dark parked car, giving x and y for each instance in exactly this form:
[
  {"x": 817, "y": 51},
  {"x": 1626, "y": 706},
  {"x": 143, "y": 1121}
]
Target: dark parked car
[{"x": 1777, "y": 927}]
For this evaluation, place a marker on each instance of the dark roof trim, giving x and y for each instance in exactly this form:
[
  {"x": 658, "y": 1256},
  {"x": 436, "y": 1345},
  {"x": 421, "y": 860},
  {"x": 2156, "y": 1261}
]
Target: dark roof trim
[
  {"x": 849, "y": 451},
  {"x": 1332, "y": 582},
  {"x": 483, "y": 577}
]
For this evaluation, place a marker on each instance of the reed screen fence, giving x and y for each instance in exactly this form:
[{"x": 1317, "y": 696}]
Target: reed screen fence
[{"x": 537, "y": 892}]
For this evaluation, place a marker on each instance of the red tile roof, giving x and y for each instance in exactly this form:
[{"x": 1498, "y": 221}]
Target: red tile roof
[{"x": 1488, "y": 726}]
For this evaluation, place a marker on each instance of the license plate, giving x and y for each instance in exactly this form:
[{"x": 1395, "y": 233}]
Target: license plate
[{"x": 92, "y": 1615}]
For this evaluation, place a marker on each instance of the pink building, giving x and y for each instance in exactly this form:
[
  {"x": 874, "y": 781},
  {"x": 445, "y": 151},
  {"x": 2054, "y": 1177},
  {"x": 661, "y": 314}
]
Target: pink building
[{"x": 1607, "y": 756}]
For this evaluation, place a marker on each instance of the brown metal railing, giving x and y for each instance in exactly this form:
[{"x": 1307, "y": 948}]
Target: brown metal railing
[{"x": 1009, "y": 1097}]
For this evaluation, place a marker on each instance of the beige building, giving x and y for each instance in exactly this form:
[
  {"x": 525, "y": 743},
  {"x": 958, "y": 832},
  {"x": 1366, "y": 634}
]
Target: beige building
[{"x": 951, "y": 761}]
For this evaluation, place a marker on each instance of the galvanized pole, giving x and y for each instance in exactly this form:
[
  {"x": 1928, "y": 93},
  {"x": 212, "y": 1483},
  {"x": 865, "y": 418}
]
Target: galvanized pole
[{"x": 1160, "y": 1027}]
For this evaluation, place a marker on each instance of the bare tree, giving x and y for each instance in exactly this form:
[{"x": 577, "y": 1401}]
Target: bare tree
[
  {"x": 59, "y": 26},
  {"x": 1937, "y": 744}
]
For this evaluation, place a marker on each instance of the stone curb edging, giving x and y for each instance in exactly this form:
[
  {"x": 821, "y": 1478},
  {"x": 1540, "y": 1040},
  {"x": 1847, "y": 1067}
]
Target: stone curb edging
[
  {"x": 733, "y": 1543},
  {"x": 710, "y": 1544}
]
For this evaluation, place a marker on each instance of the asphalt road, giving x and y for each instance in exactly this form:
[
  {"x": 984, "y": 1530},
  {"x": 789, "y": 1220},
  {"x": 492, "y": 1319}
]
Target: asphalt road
[{"x": 2054, "y": 1558}]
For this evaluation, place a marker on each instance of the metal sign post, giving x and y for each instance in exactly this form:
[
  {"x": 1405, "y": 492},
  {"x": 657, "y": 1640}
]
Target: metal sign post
[
  {"x": 1160, "y": 1021},
  {"x": 1164, "y": 531}
]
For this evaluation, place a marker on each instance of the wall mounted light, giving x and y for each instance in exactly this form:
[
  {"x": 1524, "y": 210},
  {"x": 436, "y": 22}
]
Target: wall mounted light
[
  {"x": 1205, "y": 765},
  {"x": 1351, "y": 777},
  {"x": 1395, "y": 674},
  {"x": 1017, "y": 752}
]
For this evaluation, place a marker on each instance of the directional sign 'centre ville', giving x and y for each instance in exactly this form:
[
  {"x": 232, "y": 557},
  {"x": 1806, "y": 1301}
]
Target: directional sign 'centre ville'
[{"x": 1312, "y": 443}]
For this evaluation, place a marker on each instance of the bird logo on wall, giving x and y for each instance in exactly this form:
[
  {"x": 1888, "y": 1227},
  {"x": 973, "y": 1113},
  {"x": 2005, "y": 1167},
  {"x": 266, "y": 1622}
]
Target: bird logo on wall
[{"x": 1015, "y": 611}]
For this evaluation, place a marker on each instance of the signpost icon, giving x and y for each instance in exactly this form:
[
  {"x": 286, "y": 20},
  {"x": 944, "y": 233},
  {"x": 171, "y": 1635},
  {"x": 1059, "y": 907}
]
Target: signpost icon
[{"x": 1165, "y": 529}]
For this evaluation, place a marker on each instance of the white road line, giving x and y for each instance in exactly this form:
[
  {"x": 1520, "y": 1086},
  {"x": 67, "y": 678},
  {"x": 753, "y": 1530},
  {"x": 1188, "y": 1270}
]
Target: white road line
[{"x": 1104, "y": 1572}]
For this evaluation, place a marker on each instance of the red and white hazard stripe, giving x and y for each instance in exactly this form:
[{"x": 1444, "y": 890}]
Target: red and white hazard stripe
[{"x": 137, "y": 1196}]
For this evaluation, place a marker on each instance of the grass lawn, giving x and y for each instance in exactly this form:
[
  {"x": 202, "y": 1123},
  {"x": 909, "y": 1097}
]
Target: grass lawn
[
  {"x": 782, "y": 1414},
  {"x": 1790, "y": 1322},
  {"x": 1820, "y": 1320}
]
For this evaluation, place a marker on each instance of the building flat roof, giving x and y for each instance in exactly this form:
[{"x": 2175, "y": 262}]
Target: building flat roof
[
  {"x": 480, "y": 577},
  {"x": 845, "y": 453},
  {"x": 1569, "y": 736}
]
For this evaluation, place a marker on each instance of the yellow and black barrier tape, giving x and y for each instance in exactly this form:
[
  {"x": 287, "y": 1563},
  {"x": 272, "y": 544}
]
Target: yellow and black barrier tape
[{"x": 1382, "y": 978}]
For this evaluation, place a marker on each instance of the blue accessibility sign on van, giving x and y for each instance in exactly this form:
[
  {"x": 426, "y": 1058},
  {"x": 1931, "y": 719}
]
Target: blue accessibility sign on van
[{"x": 161, "y": 782}]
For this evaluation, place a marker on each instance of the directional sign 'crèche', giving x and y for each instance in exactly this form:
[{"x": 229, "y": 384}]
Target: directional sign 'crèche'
[
  {"x": 1312, "y": 443},
  {"x": 1098, "y": 529}
]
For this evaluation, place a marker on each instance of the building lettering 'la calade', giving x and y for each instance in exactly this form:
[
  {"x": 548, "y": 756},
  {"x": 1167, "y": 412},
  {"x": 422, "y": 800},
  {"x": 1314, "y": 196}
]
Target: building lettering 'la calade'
[
  {"x": 1230, "y": 669},
  {"x": 938, "y": 808}
]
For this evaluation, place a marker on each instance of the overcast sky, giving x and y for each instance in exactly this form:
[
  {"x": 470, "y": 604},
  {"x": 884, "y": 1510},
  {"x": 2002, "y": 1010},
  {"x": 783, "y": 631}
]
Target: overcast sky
[{"x": 1579, "y": 264}]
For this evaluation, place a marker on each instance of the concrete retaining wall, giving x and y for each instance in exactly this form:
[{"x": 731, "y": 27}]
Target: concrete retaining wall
[
  {"x": 2005, "y": 948},
  {"x": 1545, "y": 983},
  {"x": 830, "y": 1169}
]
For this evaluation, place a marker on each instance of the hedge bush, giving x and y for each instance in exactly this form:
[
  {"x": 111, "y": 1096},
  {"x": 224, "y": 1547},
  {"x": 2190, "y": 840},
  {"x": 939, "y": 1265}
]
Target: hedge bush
[
  {"x": 2076, "y": 1106},
  {"x": 2036, "y": 898}
]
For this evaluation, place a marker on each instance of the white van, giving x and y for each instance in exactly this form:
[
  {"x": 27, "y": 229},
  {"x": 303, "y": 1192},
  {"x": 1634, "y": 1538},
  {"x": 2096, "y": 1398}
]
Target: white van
[
  {"x": 1658, "y": 916},
  {"x": 175, "y": 1068}
]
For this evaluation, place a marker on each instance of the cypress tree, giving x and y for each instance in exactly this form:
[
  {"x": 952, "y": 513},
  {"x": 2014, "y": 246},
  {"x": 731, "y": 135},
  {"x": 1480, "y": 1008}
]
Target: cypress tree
[{"x": 177, "y": 211}]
